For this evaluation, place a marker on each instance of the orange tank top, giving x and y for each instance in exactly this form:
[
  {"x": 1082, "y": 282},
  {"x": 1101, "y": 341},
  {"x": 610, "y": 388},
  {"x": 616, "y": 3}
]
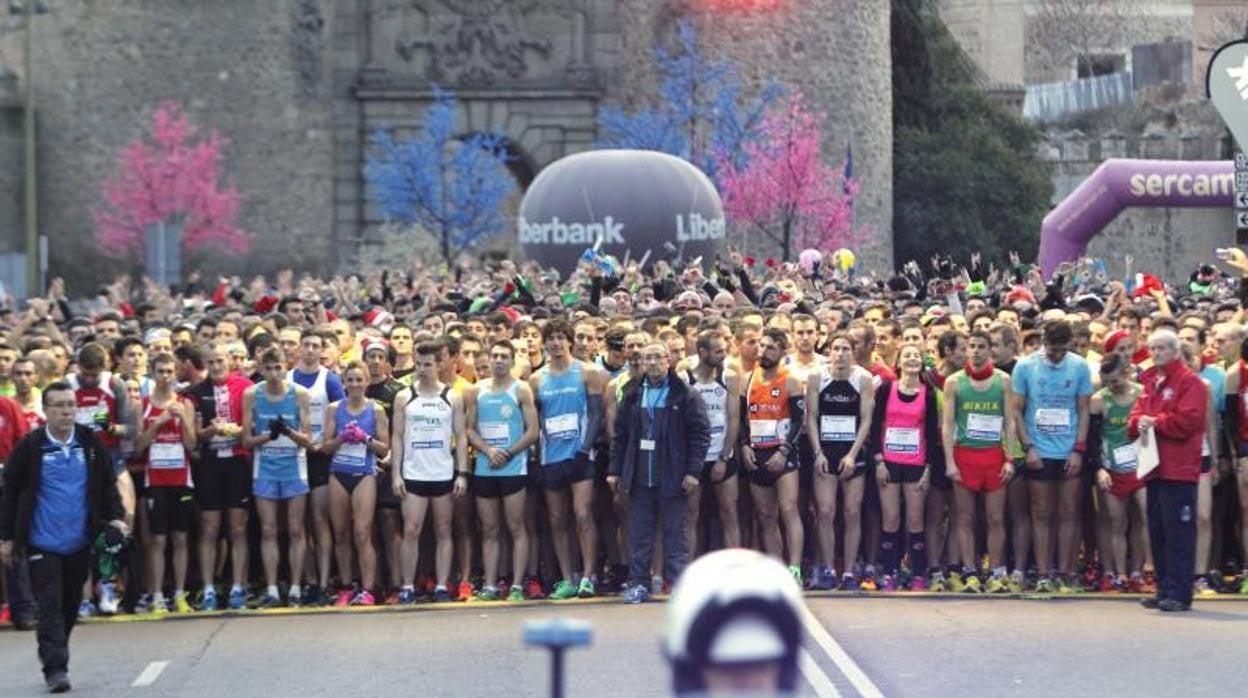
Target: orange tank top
[{"x": 768, "y": 405}]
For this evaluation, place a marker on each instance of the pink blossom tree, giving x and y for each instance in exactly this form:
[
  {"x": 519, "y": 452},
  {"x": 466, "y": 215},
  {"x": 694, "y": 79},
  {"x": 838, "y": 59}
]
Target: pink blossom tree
[
  {"x": 169, "y": 180},
  {"x": 786, "y": 190}
]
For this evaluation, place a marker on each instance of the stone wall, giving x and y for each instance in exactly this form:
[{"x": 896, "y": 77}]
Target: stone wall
[
  {"x": 296, "y": 86},
  {"x": 254, "y": 71},
  {"x": 1168, "y": 242}
]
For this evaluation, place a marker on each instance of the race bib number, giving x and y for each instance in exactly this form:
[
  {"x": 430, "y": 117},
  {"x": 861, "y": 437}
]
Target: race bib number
[
  {"x": 901, "y": 440},
  {"x": 1125, "y": 457},
  {"x": 166, "y": 456},
  {"x": 1053, "y": 420},
  {"x": 984, "y": 427},
  {"x": 496, "y": 433},
  {"x": 764, "y": 430},
  {"x": 352, "y": 455},
  {"x": 224, "y": 445},
  {"x": 838, "y": 428},
  {"x": 563, "y": 427},
  {"x": 281, "y": 447},
  {"x": 428, "y": 438},
  {"x": 647, "y": 444}
]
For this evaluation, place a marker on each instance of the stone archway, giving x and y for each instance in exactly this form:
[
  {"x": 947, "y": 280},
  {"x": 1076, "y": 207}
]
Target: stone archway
[{"x": 525, "y": 69}]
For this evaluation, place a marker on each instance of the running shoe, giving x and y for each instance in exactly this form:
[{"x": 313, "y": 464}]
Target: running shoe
[
  {"x": 363, "y": 597},
  {"x": 955, "y": 583},
  {"x": 343, "y": 598},
  {"x": 1243, "y": 586},
  {"x": 181, "y": 605},
  {"x": 1092, "y": 576},
  {"x": 533, "y": 589},
  {"x": 487, "y": 593},
  {"x": 823, "y": 579},
  {"x": 268, "y": 601},
  {"x": 392, "y": 597},
  {"x": 465, "y": 592},
  {"x": 796, "y": 571},
  {"x": 1044, "y": 585},
  {"x": 997, "y": 584},
  {"x": 407, "y": 597},
  {"x": 238, "y": 599},
  {"x": 1201, "y": 587},
  {"x": 971, "y": 584},
  {"x": 849, "y": 582},
  {"x": 888, "y": 583},
  {"x": 86, "y": 609},
  {"x": 1066, "y": 585},
  {"x": 516, "y": 593},
  {"x": 441, "y": 595},
  {"x": 1148, "y": 583},
  {"x": 109, "y": 601},
  {"x": 159, "y": 607},
  {"x": 586, "y": 590},
  {"x": 1017, "y": 582},
  {"x": 1136, "y": 584},
  {"x": 1107, "y": 584},
  {"x": 917, "y": 583},
  {"x": 563, "y": 590},
  {"x": 637, "y": 594},
  {"x": 868, "y": 584},
  {"x": 938, "y": 582},
  {"x": 6, "y": 617}
]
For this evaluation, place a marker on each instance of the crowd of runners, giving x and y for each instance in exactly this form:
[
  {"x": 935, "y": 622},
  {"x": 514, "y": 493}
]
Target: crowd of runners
[{"x": 429, "y": 434}]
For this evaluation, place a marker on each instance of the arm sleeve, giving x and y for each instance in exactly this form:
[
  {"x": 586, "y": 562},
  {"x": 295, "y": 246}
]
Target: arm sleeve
[
  {"x": 14, "y": 482},
  {"x": 1092, "y": 456},
  {"x": 595, "y": 290},
  {"x": 931, "y": 426},
  {"x": 1188, "y": 415},
  {"x": 875, "y": 441},
  {"x": 112, "y": 508},
  {"x": 593, "y": 421},
  {"x": 747, "y": 286},
  {"x": 797, "y": 420}
]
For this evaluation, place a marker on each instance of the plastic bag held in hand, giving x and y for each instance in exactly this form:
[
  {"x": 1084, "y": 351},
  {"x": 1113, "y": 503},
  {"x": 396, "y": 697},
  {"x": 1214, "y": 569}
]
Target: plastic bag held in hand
[{"x": 353, "y": 434}]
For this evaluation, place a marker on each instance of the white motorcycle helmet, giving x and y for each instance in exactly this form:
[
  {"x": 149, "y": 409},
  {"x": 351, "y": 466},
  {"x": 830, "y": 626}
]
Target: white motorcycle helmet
[{"x": 733, "y": 607}]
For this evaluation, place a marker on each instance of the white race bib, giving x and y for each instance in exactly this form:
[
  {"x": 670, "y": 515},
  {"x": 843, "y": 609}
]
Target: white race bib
[
  {"x": 166, "y": 456},
  {"x": 428, "y": 437},
  {"x": 984, "y": 427},
  {"x": 496, "y": 433},
  {"x": 1053, "y": 420},
  {"x": 901, "y": 440},
  {"x": 1125, "y": 457},
  {"x": 352, "y": 454},
  {"x": 563, "y": 427},
  {"x": 763, "y": 430},
  {"x": 838, "y": 428},
  {"x": 281, "y": 447}
]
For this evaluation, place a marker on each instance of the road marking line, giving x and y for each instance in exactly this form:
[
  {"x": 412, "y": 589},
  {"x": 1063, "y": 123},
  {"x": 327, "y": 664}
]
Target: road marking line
[
  {"x": 816, "y": 676},
  {"x": 150, "y": 674},
  {"x": 837, "y": 654}
]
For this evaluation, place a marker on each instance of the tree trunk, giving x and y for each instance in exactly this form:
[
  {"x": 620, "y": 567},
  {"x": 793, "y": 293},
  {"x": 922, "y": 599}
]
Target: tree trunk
[{"x": 788, "y": 239}]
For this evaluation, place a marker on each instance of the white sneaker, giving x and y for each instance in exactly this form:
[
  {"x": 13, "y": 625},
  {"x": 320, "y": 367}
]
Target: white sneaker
[{"x": 108, "y": 598}]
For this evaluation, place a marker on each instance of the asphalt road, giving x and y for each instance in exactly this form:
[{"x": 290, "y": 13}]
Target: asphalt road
[{"x": 856, "y": 646}]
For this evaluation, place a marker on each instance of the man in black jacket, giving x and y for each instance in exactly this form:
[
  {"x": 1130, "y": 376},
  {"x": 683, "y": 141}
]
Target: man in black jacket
[
  {"x": 59, "y": 495},
  {"x": 660, "y": 441}
]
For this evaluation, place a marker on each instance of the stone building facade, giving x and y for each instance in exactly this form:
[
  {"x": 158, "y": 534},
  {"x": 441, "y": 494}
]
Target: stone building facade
[{"x": 297, "y": 86}]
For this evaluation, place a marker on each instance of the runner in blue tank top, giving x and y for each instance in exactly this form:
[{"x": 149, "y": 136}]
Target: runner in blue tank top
[
  {"x": 502, "y": 425},
  {"x": 275, "y": 413},
  {"x": 569, "y": 400},
  {"x": 357, "y": 434}
]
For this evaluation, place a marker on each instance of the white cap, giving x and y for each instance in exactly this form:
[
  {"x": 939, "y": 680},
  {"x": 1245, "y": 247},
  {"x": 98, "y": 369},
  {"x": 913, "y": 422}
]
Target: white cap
[{"x": 747, "y": 638}]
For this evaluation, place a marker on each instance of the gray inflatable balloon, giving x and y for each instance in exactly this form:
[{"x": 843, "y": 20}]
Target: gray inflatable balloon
[{"x": 630, "y": 202}]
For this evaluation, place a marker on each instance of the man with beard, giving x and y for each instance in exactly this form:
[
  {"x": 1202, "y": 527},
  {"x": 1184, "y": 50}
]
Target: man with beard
[{"x": 719, "y": 388}]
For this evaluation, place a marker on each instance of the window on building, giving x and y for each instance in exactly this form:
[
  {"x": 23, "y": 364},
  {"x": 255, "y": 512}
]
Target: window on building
[{"x": 1097, "y": 64}]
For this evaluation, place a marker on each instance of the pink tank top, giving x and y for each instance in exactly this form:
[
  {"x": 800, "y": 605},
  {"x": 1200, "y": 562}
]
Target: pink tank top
[{"x": 904, "y": 440}]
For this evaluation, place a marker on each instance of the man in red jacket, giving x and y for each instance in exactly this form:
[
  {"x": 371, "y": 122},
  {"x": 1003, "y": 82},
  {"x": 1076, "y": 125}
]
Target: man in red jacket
[{"x": 1171, "y": 409}]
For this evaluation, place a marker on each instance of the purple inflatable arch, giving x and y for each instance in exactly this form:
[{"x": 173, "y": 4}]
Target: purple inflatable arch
[{"x": 1119, "y": 184}]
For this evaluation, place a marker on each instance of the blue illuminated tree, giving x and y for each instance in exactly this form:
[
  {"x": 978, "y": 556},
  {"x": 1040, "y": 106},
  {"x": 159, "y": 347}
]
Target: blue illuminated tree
[
  {"x": 700, "y": 114},
  {"x": 453, "y": 187}
]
